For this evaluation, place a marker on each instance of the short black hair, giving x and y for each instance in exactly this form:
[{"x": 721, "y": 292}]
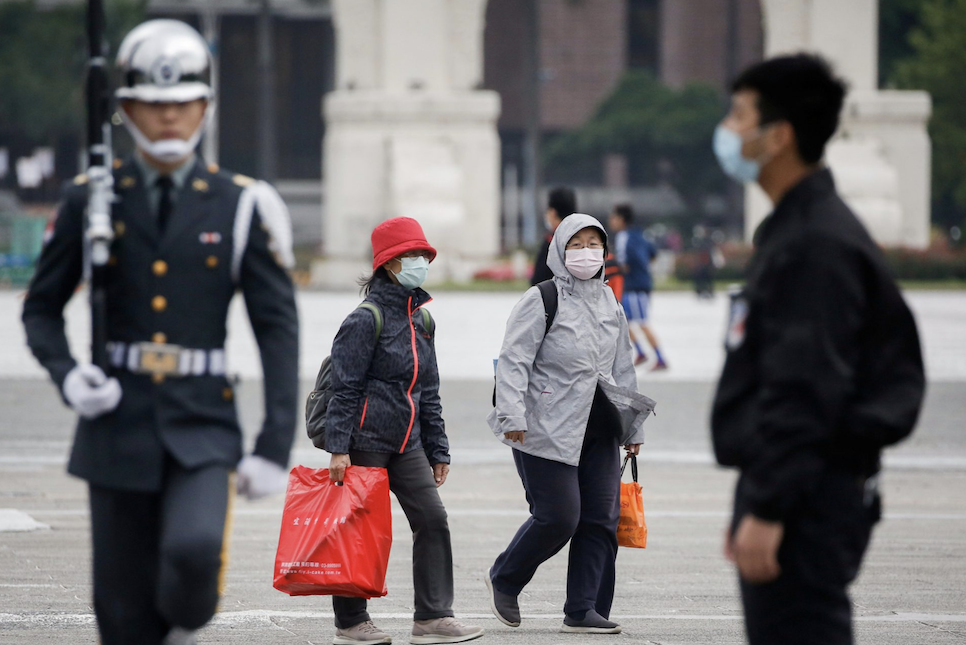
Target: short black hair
[
  {"x": 563, "y": 200},
  {"x": 369, "y": 282},
  {"x": 625, "y": 212},
  {"x": 800, "y": 89}
]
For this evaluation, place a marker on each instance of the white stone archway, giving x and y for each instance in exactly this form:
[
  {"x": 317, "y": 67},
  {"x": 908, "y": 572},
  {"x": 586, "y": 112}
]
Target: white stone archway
[
  {"x": 881, "y": 156},
  {"x": 409, "y": 134}
]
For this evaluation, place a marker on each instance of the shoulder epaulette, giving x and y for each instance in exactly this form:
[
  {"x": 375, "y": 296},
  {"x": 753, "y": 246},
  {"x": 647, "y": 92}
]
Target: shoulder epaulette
[{"x": 242, "y": 180}]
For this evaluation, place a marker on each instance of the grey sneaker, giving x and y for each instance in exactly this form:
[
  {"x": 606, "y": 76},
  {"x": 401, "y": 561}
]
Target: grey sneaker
[
  {"x": 362, "y": 633},
  {"x": 504, "y": 606},
  {"x": 179, "y": 636},
  {"x": 443, "y": 630},
  {"x": 591, "y": 623}
]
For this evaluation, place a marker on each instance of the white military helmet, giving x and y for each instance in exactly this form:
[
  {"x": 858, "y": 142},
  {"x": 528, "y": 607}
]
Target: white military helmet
[{"x": 164, "y": 61}]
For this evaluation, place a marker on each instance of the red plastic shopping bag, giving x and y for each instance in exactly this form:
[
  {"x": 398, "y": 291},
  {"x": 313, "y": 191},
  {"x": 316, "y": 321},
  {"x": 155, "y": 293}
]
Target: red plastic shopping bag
[{"x": 335, "y": 540}]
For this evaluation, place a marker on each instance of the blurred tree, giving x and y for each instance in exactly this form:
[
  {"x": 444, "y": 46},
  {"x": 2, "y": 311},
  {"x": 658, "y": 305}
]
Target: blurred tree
[
  {"x": 665, "y": 134},
  {"x": 43, "y": 55},
  {"x": 937, "y": 64},
  {"x": 897, "y": 18}
]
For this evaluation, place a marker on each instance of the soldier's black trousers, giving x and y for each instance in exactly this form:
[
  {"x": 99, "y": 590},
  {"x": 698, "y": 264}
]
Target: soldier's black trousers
[
  {"x": 822, "y": 548},
  {"x": 159, "y": 557}
]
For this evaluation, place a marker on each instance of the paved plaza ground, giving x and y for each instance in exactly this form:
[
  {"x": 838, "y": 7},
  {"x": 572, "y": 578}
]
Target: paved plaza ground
[{"x": 679, "y": 590}]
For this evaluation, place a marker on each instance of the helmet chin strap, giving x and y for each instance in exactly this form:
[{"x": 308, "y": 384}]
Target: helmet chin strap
[{"x": 167, "y": 150}]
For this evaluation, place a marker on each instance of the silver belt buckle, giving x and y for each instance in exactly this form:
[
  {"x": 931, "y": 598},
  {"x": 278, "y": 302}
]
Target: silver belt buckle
[{"x": 158, "y": 359}]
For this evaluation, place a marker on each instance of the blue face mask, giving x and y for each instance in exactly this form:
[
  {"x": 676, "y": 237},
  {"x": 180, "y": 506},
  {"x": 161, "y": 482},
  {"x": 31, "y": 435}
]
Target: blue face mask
[
  {"x": 413, "y": 272},
  {"x": 727, "y": 148}
]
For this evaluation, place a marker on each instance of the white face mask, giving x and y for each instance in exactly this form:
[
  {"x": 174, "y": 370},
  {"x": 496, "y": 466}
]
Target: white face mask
[
  {"x": 166, "y": 150},
  {"x": 413, "y": 272},
  {"x": 584, "y": 264}
]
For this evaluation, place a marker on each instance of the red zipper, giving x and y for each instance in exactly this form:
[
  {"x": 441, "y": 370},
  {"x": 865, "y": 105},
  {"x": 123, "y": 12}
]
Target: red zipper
[
  {"x": 364, "y": 408},
  {"x": 409, "y": 394}
]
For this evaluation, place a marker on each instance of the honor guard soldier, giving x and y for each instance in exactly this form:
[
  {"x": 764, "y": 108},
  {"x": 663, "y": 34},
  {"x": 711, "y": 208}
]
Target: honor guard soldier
[
  {"x": 158, "y": 439},
  {"x": 823, "y": 365}
]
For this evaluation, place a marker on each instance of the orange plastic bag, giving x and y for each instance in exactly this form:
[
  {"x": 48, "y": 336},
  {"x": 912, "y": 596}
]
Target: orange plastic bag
[
  {"x": 631, "y": 528},
  {"x": 335, "y": 540}
]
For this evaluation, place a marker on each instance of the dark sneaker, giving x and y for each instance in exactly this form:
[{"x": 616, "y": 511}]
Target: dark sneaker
[
  {"x": 591, "y": 623},
  {"x": 362, "y": 633},
  {"x": 443, "y": 630},
  {"x": 504, "y": 606}
]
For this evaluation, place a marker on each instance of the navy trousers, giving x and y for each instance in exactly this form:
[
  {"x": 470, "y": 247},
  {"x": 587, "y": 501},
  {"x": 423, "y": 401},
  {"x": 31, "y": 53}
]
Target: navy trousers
[
  {"x": 159, "y": 557},
  {"x": 577, "y": 504}
]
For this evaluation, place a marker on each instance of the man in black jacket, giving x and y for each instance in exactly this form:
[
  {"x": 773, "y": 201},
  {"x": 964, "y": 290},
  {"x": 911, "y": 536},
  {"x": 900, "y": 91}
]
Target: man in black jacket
[
  {"x": 158, "y": 440},
  {"x": 823, "y": 367},
  {"x": 561, "y": 203}
]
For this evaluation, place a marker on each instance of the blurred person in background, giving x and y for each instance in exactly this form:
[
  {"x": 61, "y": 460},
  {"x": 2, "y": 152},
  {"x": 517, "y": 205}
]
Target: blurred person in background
[
  {"x": 634, "y": 253},
  {"x": 706, "y": 261},
  {"x": 561, "y": 202},
  {"x": 823, "y": 366}
]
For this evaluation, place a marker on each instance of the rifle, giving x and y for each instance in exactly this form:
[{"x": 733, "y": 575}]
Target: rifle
[{"x": 99, "y": 232}]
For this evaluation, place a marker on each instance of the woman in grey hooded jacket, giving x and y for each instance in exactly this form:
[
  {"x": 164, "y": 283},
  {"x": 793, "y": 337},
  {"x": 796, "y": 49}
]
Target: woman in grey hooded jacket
[{"x": 566, "y": 400}]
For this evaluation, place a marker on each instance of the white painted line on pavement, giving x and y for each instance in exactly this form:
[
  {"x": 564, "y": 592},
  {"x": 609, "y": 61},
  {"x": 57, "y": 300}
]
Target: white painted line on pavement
[
  {"x": 483, "y": 456},
  {"x": 236, "y": 617},
  {"x": 14, "y": 521},
  {"x": 500, "y": 512}
]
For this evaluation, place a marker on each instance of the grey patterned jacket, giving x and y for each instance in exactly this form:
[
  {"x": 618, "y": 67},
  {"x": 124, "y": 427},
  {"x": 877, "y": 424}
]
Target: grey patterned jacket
[{"x": 385, "y": 392}]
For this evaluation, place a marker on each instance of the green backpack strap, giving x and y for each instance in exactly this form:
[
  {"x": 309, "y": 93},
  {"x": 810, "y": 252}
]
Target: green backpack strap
[
  {"x": 428, "y": 323},
  {"x": 376, "y": 314}
]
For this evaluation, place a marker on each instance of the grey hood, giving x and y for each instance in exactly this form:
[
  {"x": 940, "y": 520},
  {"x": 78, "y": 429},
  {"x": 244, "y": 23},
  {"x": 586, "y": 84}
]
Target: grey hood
[
  {"x": 570, "y": 226},
  {"x": 545, "y": 382}
]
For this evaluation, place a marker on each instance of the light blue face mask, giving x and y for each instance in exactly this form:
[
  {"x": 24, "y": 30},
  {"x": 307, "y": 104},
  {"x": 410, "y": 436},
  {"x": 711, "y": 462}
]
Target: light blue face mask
[
  {"x": 413, "y": 272},
  {"x": 727, "y": 148}
]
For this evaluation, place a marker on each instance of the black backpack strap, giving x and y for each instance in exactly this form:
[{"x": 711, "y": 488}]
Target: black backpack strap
[{"x": 548, "y": 291}]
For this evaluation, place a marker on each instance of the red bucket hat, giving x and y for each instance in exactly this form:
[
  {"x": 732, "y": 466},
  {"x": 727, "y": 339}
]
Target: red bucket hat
[{"x": 398, "y": 236}]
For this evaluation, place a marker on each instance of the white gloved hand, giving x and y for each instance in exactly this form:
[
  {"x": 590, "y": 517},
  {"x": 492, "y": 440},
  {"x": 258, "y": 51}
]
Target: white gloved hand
[
  {"x": 259, "y": 477},
  {"x": 90, "y": 392}
]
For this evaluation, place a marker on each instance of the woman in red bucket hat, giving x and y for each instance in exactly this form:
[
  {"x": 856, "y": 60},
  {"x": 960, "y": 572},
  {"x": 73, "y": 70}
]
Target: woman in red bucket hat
[{"x": 385, "y": 412}]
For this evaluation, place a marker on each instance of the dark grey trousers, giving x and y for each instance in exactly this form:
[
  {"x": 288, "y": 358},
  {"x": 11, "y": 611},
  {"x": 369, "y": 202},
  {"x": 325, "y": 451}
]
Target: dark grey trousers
[
  {"x": 158, "y": 556},
  {"x": 411, "y": 480}
]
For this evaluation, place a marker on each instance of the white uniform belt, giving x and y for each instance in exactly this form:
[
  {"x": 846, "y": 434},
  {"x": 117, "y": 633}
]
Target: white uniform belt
[{"x": 166, "y": 360}]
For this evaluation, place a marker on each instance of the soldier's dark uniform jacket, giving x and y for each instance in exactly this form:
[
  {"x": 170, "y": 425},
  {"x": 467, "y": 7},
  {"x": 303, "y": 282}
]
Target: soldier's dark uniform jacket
[
  {"x": 173, "y": 289},
  {"x": 824, "y": 366}
]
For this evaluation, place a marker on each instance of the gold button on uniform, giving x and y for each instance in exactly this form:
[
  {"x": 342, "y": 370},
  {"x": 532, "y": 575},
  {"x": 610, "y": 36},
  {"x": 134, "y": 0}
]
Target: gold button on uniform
[
  {"x": 228, "y": 394},
  {"x": 211, "y": 262},
  {"x": 160, "y": 267},
  {"x": 159, "y": 303},
  {"x": 157, "y": 378},
  {"x": 119, "y": 228},
  {"x": 159, "y": 338},
  {"x": 112, "y": 261}
]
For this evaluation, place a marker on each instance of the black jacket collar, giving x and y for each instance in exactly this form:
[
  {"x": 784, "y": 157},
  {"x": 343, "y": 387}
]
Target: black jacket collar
[
  {"x": 814, "y": 185},
  {"x": 389, "y": 294}
]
